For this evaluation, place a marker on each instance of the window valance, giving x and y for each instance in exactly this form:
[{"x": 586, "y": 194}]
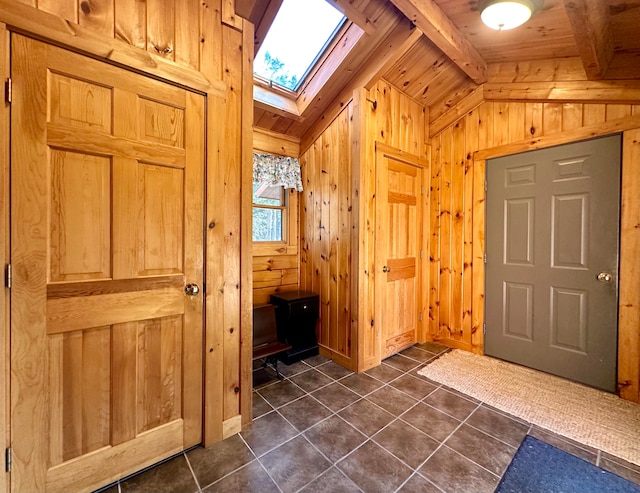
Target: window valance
[{"x": 277, "y": 170}]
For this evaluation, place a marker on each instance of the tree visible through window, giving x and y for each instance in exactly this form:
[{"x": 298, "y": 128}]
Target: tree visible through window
[
  {"x": 299, "y": 34},
  {"x": 269, "y": 212}
]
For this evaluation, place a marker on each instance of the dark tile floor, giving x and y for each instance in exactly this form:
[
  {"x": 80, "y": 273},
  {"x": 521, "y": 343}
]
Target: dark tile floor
[{"x": 326, "y": 429}]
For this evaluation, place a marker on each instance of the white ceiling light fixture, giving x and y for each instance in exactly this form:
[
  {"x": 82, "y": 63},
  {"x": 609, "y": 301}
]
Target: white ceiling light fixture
[{"x": 502, "y": 15}]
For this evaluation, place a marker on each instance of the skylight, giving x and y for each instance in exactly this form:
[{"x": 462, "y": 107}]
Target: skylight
[{"x": 299, "y": 34}]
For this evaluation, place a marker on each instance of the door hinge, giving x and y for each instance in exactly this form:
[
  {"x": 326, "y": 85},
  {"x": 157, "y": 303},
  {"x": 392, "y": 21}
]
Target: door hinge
[
  {"x": 421, "y": 189},
  {"x": 486, "y": 185},
  {"x": 7, "y": 460},
  {"x": 8, "y": 276},
  {"x": 484, "y": 257},
  {"x": 420, "y": 317},
  {"x": 8, "y": 90},
  {"x": 484, "y": 328}
]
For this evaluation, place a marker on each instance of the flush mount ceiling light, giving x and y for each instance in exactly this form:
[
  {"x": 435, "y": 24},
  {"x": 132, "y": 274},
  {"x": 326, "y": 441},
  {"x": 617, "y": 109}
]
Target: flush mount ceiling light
[{"x": 506, "y": 14}]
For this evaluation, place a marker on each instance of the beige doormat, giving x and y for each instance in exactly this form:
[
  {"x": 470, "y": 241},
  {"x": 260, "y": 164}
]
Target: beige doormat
[{"x": 587, "y": 415}]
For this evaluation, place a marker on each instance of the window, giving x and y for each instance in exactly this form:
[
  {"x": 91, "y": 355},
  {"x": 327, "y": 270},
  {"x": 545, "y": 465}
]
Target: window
[
  {"x": 298, "y": 36},
  {"x": 269, "y": 213}
]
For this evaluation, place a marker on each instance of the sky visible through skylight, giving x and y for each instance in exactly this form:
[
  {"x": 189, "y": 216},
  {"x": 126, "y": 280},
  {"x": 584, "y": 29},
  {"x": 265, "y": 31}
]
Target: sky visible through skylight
[{"x": 299, "y": 32}]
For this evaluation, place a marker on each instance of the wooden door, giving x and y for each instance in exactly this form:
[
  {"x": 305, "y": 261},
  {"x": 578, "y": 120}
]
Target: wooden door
[
  {"x": 107, "y": 215},
  {"x": 398, "y": 242},
  {"x": 552, "y": 229}
]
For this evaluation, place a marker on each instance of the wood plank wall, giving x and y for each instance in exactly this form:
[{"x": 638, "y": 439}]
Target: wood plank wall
[
  {"x": 207, "y": 47},
  {"x": 330, "y": 208},
  {"x": 457, "y": 211}
]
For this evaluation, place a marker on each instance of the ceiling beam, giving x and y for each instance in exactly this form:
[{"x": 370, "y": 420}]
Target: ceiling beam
[
  {"x": 594, "y": 41},
  {"x": 432, "y": 21},
  {"x": 354, "y": 15}
]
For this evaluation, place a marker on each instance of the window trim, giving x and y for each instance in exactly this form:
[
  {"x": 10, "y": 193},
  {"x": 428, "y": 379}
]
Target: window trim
[{"x": 289, "y": 244}]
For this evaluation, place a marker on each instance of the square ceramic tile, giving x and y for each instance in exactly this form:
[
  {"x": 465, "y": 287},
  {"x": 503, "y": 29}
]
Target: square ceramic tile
[
  {"x": 401, "y": 363},
  {"x": 456, "y": 474},
  {"x": 304, "y": 413},
  {"x": 392, "y": 400},
  {"x": 311, "y": 380},
  {"x": 281, "y": 393},
  {"x": 268, "y": 432},
  {"x": 361, "y": 384},
  {"x": 334, "y": 370},
  {"x": 172, "y": 476},
  {"x": 384, "y": 373},
  {"x": 415, "y": 387},
  {"x": 336, "y": 396},
  {"x": 250, "y": 478},
  {"x": 332, "y": 481},
  {"x": 374, "y": 470},
  {"x": 294, "y": 464},
  {"x": 212, "y": 463},
  {"x": 498, "y": 425},
  {"x": 418, "y": 484},
  {"x": 366, "y": 417},
  {"x": 489, "y": 452},
  {"x": 406, "y": 443},
  {"x": 335, "y": 438},
  {"x": 429, "y": 420},
  {"x": 452, "y": 404},
  {"x": 259, "y": 406}
]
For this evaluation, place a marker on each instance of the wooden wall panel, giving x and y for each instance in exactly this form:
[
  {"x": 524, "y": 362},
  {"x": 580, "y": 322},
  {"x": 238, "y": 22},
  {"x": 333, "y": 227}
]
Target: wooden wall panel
[
  {"x": 187, "y": 42},
  {"x": 325, "y": 239},
  {"x": 336, "y": 216},
  {"x": 498, "y": 128}
]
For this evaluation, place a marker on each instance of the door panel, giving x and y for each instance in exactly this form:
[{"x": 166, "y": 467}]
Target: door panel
[
  {"x": 552, "y": 227},
  {"x": 107, "y": 198},
  {"x": 398, "y": 240}
]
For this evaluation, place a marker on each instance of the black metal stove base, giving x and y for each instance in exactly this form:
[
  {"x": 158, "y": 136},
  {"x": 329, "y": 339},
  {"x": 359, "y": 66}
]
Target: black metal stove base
[{"x": 296, "y": 354}]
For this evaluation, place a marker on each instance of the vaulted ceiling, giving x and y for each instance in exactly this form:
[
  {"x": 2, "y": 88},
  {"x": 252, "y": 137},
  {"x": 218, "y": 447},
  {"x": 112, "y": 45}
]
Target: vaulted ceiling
[{"x": 438, "y": 52}]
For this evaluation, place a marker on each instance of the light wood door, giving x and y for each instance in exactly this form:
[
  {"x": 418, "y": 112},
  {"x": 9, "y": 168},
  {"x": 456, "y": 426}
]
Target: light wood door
[
  {"x": 398, "y": 241},
  {"x": 553, "y": 220},
  {"x": 107, "y": 215}
]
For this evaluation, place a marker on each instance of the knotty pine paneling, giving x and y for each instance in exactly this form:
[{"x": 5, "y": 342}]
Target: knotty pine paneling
[
  {"x": 325, "y": 226},
  {"x": 334, "y": 205},
  {"x": 216, "y": 50},
  {"x": 456, "y": 288}
]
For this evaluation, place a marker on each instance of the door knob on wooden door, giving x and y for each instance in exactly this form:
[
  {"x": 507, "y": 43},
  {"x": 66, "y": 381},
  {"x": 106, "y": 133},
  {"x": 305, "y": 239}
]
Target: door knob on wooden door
[
  {"x": 191, "y": 289},
  {"x": 386, "y": 269}
]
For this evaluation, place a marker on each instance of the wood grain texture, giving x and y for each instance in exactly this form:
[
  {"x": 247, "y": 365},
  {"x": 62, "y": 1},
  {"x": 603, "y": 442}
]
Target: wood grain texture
[
  {"x": 246, "y": 251},
  {"x": 107, "y": 220},
  {"x": 4, "y": 246},
  {"x": 629, "y": 312},
  {"x": 432, "y": 21},
  {"x": 493, "y": 130},
  {"x": 594, "y": 40}
]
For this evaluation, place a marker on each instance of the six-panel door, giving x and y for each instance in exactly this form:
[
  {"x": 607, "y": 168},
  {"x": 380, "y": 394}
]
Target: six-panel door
[{"x": 552, "y": 243}]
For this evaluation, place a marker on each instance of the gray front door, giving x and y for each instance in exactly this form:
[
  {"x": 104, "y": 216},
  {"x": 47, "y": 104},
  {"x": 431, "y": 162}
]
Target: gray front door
[{"x": 552, "y": 260}]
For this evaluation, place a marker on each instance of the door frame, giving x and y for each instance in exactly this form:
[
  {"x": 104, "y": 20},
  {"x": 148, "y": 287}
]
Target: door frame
[
  {"x": 628, "y": 361},
  {"x": 384, "y": 150},
  {"x": 5, "y": 245}
]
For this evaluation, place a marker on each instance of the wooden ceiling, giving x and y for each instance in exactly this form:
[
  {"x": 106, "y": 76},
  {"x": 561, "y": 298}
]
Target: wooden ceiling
[{"x": 438, "y": 52}]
